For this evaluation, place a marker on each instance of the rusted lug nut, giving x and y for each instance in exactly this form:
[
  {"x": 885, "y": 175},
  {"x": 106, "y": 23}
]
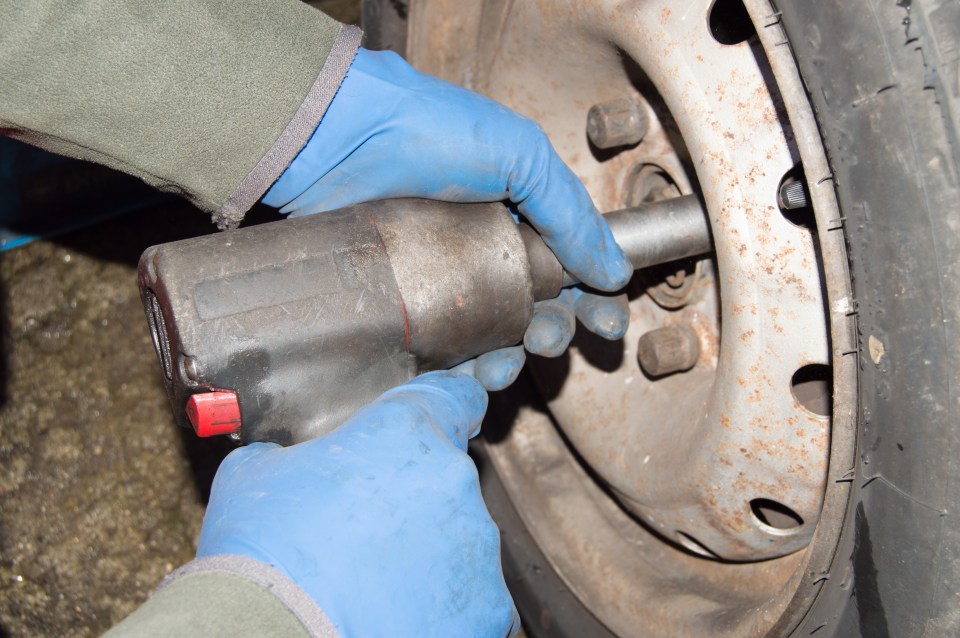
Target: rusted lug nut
[
  {"x": 617, "y": 123},
  {"x": 667, "y": 350}
]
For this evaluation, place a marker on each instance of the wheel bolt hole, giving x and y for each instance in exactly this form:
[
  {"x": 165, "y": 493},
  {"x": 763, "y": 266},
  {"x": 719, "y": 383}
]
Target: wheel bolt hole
[
  {"x": 730, "y": 23},
  {"x": 774, "y": 514},
  {"x": 812, "y": 388}
]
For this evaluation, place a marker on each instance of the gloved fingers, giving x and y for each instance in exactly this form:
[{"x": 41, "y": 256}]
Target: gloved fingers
[
  {"x": 499, "y": 369},
  {"x": 554, "y": 321},
  {"x": 241, "y": 458},
  {"x": 604, "y": 315},
  {"x": 551, "y": 328},
  {"x": 452, "y": 402},
  {"x": 468, "y": 367},
  {"x": 515, "y": 626},
  {"x": 495, "y": 370},
  {"x": 232, "y": 477},
  {"x": 392, "y": 131},
  {"x": 555, "y": 202}
]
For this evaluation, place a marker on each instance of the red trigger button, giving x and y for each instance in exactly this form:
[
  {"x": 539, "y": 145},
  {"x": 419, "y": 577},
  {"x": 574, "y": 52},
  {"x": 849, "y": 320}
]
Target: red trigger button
[{"x": 213, "y": 413}]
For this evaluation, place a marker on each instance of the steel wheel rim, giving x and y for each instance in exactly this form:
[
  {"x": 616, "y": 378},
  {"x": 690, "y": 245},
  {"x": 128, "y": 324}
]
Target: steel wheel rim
[{"x": 584, "y": 529}]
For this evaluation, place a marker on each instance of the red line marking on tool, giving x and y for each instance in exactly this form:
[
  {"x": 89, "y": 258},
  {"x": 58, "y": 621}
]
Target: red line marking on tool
[{"x": 403, "y": 306}]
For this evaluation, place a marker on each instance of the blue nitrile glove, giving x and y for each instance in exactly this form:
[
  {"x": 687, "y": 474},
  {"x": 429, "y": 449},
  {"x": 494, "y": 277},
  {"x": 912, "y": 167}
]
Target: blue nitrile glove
[
  {"x": 392, "y": 131},
  {"x": 550, "y": 332},
  {"x": 381, "y": 522},
  {"x": 553, "y": 321}
]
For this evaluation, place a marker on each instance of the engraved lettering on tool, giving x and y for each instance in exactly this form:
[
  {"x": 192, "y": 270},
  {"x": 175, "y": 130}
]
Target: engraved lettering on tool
[{"x": 266, "y": 287}]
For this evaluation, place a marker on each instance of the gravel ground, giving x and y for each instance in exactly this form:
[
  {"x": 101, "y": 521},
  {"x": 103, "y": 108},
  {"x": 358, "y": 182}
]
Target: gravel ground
[{"x": 101, "y": 494}]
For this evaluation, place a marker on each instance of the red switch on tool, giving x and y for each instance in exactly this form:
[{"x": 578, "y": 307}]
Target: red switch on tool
[{"x": 213, "y": 413}]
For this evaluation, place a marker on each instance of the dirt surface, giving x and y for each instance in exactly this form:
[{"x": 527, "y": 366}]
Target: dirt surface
[{"x": 101, "y": 494}]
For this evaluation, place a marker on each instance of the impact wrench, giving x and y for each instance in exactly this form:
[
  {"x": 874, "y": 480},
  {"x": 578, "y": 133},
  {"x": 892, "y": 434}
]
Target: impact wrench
[{"x": 279, "y": 332}]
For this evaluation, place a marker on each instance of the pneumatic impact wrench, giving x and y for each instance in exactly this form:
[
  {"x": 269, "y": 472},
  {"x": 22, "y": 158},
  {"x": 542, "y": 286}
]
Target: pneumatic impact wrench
[{"x": 279, "y": 332}]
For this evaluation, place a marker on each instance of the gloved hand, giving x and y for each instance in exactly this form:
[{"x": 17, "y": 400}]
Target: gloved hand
[
  {"x": 381, "y": 522},
  {"x": 550, "y": 332},
  {"x": 392, "y": 131}
]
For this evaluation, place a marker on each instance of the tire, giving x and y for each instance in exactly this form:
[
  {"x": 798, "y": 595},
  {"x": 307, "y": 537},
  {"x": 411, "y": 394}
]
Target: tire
[
  {"x": 881, "y": 78},
  {"x": 889, "y": 124}
]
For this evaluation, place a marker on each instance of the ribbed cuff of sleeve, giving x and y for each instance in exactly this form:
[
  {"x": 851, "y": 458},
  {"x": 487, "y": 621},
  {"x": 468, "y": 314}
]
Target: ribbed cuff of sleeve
[
  {"x": 297, "y": 133},
  {"x": 266, "y": 577}
]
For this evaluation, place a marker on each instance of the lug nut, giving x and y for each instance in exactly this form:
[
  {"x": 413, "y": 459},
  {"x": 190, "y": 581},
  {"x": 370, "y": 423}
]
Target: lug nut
[
  {"x": 616, "y": 123},
  {"x": 667, "y": 350},
  {"x": 793, "y": 195}
]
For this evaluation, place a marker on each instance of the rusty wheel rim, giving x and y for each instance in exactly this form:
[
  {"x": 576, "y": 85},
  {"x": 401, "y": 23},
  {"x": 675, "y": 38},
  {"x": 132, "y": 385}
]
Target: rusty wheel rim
[{"x": 707, "y": 501}]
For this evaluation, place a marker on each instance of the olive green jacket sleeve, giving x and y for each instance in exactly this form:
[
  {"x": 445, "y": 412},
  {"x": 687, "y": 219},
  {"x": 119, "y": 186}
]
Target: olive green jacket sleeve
[
  {"x": 226, "y": 596},
  {"x": 211, "y": 99}
]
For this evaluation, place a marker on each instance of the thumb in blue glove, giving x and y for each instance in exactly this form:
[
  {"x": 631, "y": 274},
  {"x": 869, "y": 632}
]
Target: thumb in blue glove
[{"x": 381, "y": 522}]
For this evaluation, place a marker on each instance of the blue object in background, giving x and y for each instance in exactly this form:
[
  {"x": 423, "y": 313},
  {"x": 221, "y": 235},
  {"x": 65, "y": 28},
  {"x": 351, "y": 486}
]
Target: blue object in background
[{"x": 43, "y": 194}]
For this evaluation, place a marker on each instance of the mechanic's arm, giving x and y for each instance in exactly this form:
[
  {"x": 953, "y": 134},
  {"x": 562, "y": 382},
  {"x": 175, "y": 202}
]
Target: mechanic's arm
[
  {"x": 215, "y": 99},
  {"x": 207, "y": 98},
  {"x": 377, "y": 529}
]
